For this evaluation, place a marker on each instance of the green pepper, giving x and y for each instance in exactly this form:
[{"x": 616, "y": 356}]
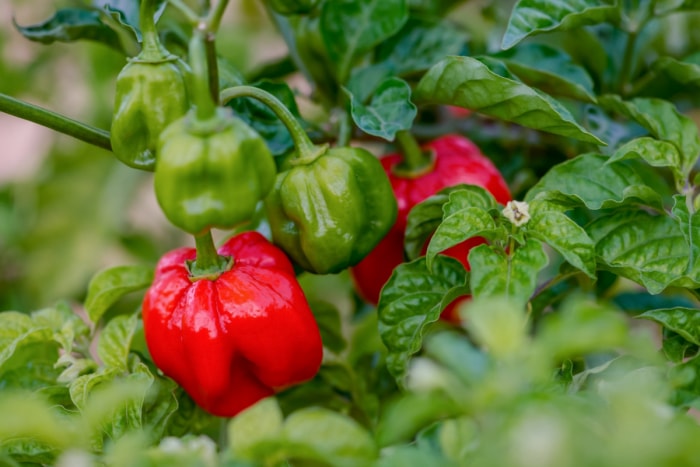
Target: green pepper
[
  {"x": 212, "y": 168},
  {"x": 292, "y": 7},
  {"x": 328, "y": 211},
  {"x": 211, "y": 174},
  {"x": 150, "y": 94}
]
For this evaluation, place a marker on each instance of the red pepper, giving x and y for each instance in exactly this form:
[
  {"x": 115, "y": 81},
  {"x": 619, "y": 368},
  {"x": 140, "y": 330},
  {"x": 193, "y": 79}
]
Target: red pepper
[
  {"x": 456, "y": 160},
  {"x": 235, "y": 339}
]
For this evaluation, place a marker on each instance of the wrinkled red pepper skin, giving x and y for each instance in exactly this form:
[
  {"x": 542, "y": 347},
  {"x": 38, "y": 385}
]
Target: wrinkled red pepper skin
[
  {"x": 234, "y": 340},
  {"x": 456, "y": 160}
]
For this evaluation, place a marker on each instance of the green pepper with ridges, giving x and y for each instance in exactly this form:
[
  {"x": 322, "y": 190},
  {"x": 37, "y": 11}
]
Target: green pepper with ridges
[
  {"x": 328, "y": 212},
  {"x": 212, "y": 168},
  {"x": 329, "y": 207},
  {"x": 150, "y": 94}
]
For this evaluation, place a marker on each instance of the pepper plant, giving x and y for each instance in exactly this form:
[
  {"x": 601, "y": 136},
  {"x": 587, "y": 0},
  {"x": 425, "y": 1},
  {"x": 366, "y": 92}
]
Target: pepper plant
[{"x": 423, "y": 233}]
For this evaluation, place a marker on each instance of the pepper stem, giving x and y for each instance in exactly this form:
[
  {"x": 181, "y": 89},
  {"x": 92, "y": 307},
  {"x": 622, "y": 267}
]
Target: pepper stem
[
  {"x": 55, "y": 121},
  {"x": 414, "y": 159},
  {"x": 205, "y": 106},
  {"x": 208, "y": 264},
  {"x": 306, "y": 150},
  {"x": 151, "y": 48}
]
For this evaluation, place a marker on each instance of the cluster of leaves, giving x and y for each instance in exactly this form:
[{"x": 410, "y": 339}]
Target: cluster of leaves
[{"x": 545, "y": 368}]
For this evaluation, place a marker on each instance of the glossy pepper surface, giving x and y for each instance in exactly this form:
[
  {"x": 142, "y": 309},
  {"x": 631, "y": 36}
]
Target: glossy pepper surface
[
  {"x": 236, "y": 339},
  {"x": 150, "y": 94},
  {"x": 328, "y": 211},
  {"x": 455, "y": 160},
  {"x": 213, "y": 173}
]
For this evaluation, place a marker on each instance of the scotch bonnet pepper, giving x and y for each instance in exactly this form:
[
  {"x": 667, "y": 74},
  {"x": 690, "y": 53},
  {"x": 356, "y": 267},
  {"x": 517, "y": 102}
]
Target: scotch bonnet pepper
[
  {"x": 150, "y": 94},
  {"x": 329, "y": 210},
  {"x": 455, "y": 160},
  {"x": 235, "y": 339},
  {"x": 213, "y": 173}
]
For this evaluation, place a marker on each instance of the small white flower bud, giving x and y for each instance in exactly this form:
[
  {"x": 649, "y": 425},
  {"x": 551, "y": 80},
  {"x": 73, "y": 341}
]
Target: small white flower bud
[{"x": 517, "y": 212}]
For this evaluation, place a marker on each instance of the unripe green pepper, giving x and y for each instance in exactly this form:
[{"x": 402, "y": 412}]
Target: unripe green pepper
[
  {"x": 292, "y": 7},
  {"x": 212, "y": 173},
  {"x": 150, "y": 94},
  {"x": 330, "y": 210}
]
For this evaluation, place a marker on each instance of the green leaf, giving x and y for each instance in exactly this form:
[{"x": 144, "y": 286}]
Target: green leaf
[
  {"x": 689, "y": 226},
  {"x": 352, "y": 27},
  {"x": 324, "y": 435},
  {"x": 646, "y": 248},
  {"x": 564, "y": 235},
  {"x": 465, "y": 216},
  {"x": 469, "y": 83},
  {"x": 538, "y": 16},
  {"x": 498, "y": 323},
  {"x": 109, "y": 285},
  {"x": 72, "y": 24},
  {"x": 419, "y": 45},
  {"x": 404, "y": 417},
  {"x": 662, "y": 7},
  {"x": 390, "y": 110},
  {"x": 681, "y": 320},
  {"x": 581, "y": 327},
  {"x": 686, "y": 71},
  {"x": 654, "y": 152},
  {"x": 251, "y": 432},
  {"x": 115, "y": 341},
  {"x": 426, "y": 216},
  {"x": 115, "y": 407},
  {"x": 676, "y": 347},
  {"x": 83, "y": 386},
  {"x": 422, "y": 221},
  {"x": 413, "y": 298},
  {"x": 591, "y": 181},
  {"x": 25, "y": 416},
  {"x": 550, "y": 70},
  {"x": 513, "y": 277},
  {"x": 664, "y": 122},
  {"x": 18, "y": 330},
  {"x": 329, "y": 323}
]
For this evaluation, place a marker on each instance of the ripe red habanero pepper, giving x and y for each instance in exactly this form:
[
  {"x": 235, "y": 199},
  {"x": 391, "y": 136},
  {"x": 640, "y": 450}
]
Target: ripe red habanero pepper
[
  {"x": 455, "y": 160},
  {"x": 232, "y": 340}
]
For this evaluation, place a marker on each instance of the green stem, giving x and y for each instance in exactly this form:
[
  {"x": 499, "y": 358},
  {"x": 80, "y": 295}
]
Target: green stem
[
  {"x": 151, "y": 46},
  {"x": 344, "y": 129},
  {"x": 185, "y": 10},
  {"x": 208, "y": 264},
  {"x": 213, "y": 66},
  {"x": 55, "y": 121},
  {"x": 214, "y": 17},
  {"x": 204, "y": 103},
  {"x": 306, "y": 150},
  {"x": 627, "y": 58},
  {"x": 414, "y": 159}
]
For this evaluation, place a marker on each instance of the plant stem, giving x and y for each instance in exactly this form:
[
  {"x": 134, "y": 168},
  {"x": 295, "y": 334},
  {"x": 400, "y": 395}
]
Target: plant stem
[
  {"x": 306, "y": 150},
  {"x": 344, "y": 128},
  {"x": 214, "y": 18},
  {"x": 414, "y": 159},
  {"x": 627, "y": 58},
  {"x": 185, "y": 10},
  {"x": 55, "y": 121},
  {"x": 151, "y": 46},
  {"x": 205, "y": 106},
  {"x": 208, "y": 264}
]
